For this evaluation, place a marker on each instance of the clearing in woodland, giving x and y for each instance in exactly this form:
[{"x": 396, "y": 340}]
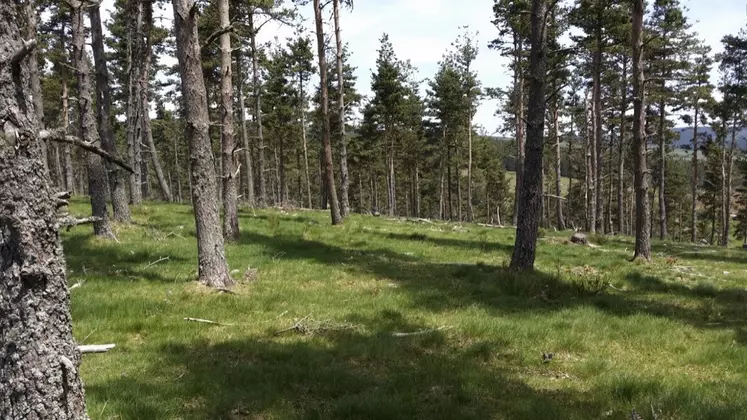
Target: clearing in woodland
[{"x": 403, "y": 319}]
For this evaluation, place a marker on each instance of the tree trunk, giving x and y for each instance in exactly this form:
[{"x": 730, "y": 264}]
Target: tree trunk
[
  {"x": 727, "y": 184},
  {"x": 662, "y": 173},
  {"x": 258, "y": 113},
  {"x": 38, "y": 354},
  {"x": 212, "y": 266},
  {"x": 247, "y": 150},
  {"x": 417, "y": 191},
  {"x": 694, "y": 180},
  {"x": 33, "y": 68},
  {"x": 329, "y": 171},
  {"x": 519, "y": 122},
  {"x": 530, "y": 205},
  {"x": 117, "y": 177},
  {"x": 228, "y": 143},
  {"x": 558, "y": 174},
  {"x": 344, "y": 179},
  {"x": 642, "y": 236},
  {"x": 392, "y": 181},
  {"x": 97, "y": 185},
  {"x": 589, "y": 177},
  {"x": 470, "y": 210},
  {"x": 302, "y": 110},
  {"x": 135, "y": 51},
  {"x": 68, "y": 157},
  {"x": 596, "y": 148},
  {"x": 621, "y": 149}
]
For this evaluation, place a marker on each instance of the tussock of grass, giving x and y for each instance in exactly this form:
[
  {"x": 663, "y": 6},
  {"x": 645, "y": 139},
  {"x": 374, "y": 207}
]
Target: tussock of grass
[{"x": 668, "y": 338}]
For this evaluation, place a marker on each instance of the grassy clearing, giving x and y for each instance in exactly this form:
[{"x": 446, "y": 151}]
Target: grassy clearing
[{"x": 669, "y": 336}]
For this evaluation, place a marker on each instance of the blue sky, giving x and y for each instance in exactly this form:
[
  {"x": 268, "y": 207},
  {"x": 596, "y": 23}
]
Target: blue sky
[{"x": 422, "y": 30}]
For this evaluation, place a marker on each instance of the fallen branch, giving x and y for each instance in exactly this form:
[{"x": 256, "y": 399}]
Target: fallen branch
[
  {"x": 421, "y": 332},
  {"x": 297, "y": 326},
  {"x": 76, "y": 285},
  {"x": 70, "y": 222},
  {"x": 96, "y": 348},
  {"x": 58, "y": 135},
  {"x": 162, "y": 259},
  {"x": 206, "y": 321},
  {"x": 224, "y": 290}
]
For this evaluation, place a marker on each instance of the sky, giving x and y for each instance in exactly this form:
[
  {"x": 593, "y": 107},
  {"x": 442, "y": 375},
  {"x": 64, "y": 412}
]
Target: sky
[{"x": 422, "y": 31}]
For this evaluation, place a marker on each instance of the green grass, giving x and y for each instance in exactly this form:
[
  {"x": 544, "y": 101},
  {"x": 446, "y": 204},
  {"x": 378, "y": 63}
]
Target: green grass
[{"x": 669, "y": 336}]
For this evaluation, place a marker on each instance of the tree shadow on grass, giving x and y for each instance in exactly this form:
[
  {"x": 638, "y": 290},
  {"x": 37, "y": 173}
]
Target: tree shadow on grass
[
  {"x": 113, "y": 262},
  {"x": 445, "y": 286},
  {"x": 342, "y": 374},
  {"x": 483, "y": 246}
]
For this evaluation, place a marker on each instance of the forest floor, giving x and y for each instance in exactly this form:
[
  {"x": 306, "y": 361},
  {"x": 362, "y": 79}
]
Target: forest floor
[{"x": 398, "y": 319}]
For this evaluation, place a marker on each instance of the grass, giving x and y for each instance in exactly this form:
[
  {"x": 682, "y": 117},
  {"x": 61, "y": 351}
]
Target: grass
[{"x": 668, "y": 336}]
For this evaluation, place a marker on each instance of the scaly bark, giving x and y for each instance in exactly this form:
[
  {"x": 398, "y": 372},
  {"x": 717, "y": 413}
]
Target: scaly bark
[
  {"x": 642, "y": 206},
  {"x": 134, "y": 71},
  {"x": 694, "y": 180},
  {"x": 212, "y": 267},
  {"x": 344, "y": 177},
  {"x": 38, "y": 354},
  {"x": 258, "y": 113},
  {"x": 247, "y": 150},
  {"x": 97, "y": 182},
  {"x": 228, "y": 143}
]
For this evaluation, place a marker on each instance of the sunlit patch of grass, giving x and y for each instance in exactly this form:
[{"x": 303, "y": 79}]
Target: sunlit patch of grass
[{"x": 668, "y": 336}]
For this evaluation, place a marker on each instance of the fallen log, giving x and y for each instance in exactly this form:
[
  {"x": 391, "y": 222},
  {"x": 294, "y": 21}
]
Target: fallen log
[{"x": 96, "y": 348}]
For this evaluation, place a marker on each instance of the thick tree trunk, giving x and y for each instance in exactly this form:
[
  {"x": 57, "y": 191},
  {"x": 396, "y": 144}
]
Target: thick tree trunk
[
  {"x": 302, "y": 111},
  {"x": 258, "y": 113},
  {"x": 530, "y": 205},
  {"x": 228, "y": 143},
  {"x": 662, "y": 173},
  {"x": 69, "y": 180},
  {"x": 344, "y": 178},
  {"x": 727, "y": 185},
  {"x": 97, "y": 183},
  {"x": 38, "y": 354},
  {"x": 329, "y": 171},
  {"x": 248, "y": 188},
  {"x": 117, "y": 177},
  {"x": 589, "y": 172},
  {"x": 694, "y": 180},
  {"x": 135, "y": 62},
  {"x": 212, "y": 266},
  {"x": 597, "y": 149},
  {"x": 642, "y": 219}
]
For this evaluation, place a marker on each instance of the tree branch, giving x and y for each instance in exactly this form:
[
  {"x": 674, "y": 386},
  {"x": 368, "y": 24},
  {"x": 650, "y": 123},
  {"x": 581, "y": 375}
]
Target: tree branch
[
  {"x": 22, "y": 52},
  {"x": 59, "y": 136},
  {"x": 215, "y": 35}
]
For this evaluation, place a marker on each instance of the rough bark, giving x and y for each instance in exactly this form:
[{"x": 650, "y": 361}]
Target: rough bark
[
  {"x": 212, "y": 266},
  {"x": 597, "y": 149},
  {"x": 247, "y": 150},
  {"x": 642, "y": 206},
  {"x": 694, "y": 180},
  {"x": 328, "y": 169},
  {"x": 470, "y": 209},
  {"x": 530, "y": 205},
  {"x": 69, "y": 182},
  {"x": 228, "y": 143},
  {"x": 97, "y": 182},
  {"x": 589, "y": 172},
  {"x": 344, "y": 177},
  {"x": 117, "y": 178},
  {"x": 258, "y": 113},
  {"x": 134, "y": 70},
  {"x": 38, "y": 354},
  {"x": 727, "y": 184}
]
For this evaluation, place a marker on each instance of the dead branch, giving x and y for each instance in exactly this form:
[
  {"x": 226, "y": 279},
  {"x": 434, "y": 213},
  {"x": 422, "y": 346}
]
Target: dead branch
[
  {"x": 298, "y": 326},
  {"x": 207, "y": 321},
  {"x": 162, "y": 259},
  {"x": 96, "y": 348},
  {"x": 58, "y": 135},
  {"x": 76, "y": 285},
  {"x": 69, "y": 222},
  {"x": 22, "y": 52},
  {"x": 215, "y": 35},
  {"x": 61, "y": 199},
  {"x": 421, "y": 332},
  {"x": 224, "y": 290}
]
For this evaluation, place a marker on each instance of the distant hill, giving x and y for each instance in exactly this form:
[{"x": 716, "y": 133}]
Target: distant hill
[{"x": 686, "y": 137}]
